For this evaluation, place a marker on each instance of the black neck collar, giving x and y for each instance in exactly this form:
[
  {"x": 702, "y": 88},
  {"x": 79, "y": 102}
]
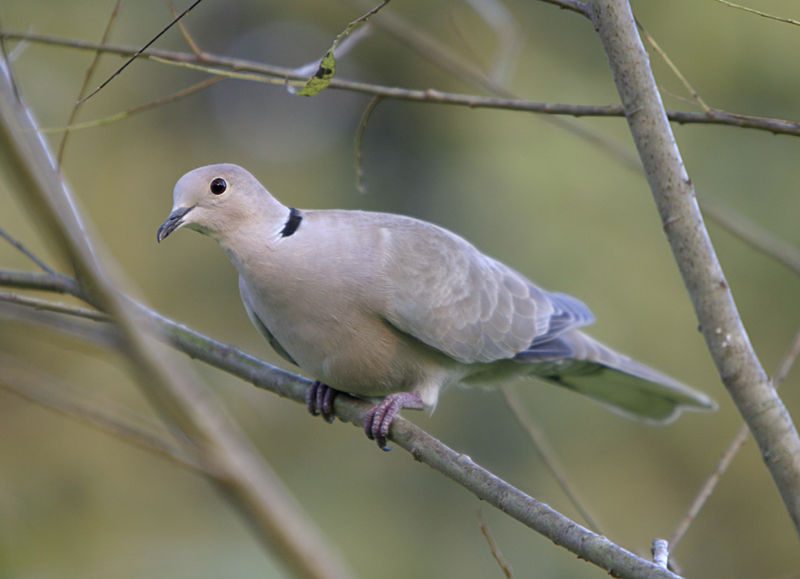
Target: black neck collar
[{"x": 292, "y": 223}]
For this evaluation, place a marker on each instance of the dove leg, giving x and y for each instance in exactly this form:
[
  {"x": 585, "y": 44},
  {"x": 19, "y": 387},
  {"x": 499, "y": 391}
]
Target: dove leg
[
  {"x": 319, "y": 400},
  {"x": 379, "y": 418}
]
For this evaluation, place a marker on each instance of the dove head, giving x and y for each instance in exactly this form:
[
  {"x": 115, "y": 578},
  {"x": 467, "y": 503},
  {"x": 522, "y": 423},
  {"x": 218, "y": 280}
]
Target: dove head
[{"x": 218, "y": 199}]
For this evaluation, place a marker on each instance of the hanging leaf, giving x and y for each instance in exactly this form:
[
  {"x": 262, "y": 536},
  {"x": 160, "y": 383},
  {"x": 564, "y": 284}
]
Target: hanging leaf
[
  {"x": 322, "y": 78},
  {"x": 327, "y": 66}
]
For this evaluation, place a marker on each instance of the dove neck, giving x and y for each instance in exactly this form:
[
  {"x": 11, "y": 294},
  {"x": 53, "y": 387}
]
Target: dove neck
[{"x": 256, "y": 232}]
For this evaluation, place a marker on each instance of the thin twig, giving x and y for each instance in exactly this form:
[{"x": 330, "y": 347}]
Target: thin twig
[
  {"x": 184, "y": 92},
  {"x": 759, "y": 13},
  {"x": 548, "y": 456},
  {"x": 362, "y": 125},
  {"x": 707, "y": 489},
  {"x": 50, "y": 281},
  {"x": 675, "y": 70},
  {"x": 714, "y": 117},
  {"x": 89, "y": 71},
  {"x": 495, "y": 550},
  {"x": 46, "y": 390},
  {"x": 25, "y": 251},
  {"x": 574, "y": 5},
  {"x": 507, "y": 31},
  {"x": 67, "y": 327},
  {"x": 453, "y": 62},
  {"x": 754, "y": 235},
  {"x": 49, "y": 306},
  {"x": 185, "y": 33},
  {"x": 138, "y": 52},
  {"x": 8, "y": 58},
  {"x": 788, "y": 360}
]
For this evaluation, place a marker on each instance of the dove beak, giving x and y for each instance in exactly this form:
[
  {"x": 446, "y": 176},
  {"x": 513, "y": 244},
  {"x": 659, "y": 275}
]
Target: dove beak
[{"x": 173, "y": 222}]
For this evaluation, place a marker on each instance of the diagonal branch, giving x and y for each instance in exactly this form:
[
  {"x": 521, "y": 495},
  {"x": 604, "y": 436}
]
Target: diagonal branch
[
  {"x": 730, "y": 452},
  {"x": 722, "y": 328},
  {"x": 136, "y": 54},
  {"x": 422, "y": 446},
  {"x": 34, "y": 385},
  {"x": 87, "y": 76},
  {"x": 189, "y": 411}
]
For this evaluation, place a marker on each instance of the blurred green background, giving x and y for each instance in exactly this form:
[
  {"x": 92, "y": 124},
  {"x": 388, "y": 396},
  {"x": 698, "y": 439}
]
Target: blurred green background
[{"x": 77, "y": 503}]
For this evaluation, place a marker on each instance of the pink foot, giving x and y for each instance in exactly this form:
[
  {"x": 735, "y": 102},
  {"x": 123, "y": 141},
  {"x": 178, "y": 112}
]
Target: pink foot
[
  {"x": 379, "y": 418},
  {"x": 319, "y": 400}
]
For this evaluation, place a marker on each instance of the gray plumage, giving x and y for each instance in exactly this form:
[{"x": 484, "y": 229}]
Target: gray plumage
[{"x": 376, "y": 304}]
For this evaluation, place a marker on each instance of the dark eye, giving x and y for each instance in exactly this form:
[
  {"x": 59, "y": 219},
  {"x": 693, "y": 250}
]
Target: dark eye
[{"x": 218, "y": 186}]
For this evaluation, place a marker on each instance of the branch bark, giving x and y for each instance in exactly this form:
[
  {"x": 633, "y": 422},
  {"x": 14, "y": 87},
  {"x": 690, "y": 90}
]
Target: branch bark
[
  {"x": 487, "y": 486},
  {"x": 280, "y": 75},
  {"x": 722, "y": 328},
  {"x": 188, "y": 410}
]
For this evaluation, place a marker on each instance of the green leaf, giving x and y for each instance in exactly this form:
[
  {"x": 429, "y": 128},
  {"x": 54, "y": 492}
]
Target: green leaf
[
  {"x": 322, "y": 78},
  {"x": 327, "y": 66}
]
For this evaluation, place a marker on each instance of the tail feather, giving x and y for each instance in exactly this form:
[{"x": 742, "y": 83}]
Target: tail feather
[{"x": 624, "y": 385}]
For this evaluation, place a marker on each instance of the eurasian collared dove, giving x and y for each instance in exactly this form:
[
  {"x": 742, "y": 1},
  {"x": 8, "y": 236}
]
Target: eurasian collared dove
[{"x": 391, "y": 308}]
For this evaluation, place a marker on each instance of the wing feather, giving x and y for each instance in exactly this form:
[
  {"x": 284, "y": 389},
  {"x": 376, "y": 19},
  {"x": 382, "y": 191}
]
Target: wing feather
[{"x": 449, "y": 295}]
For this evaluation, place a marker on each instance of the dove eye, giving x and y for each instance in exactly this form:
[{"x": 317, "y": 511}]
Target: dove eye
[{"x": 218, "y": 186}]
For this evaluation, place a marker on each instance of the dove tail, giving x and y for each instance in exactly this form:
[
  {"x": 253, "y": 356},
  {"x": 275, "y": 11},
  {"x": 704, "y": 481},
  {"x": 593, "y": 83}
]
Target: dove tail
[{"x": 577, "y": 361}]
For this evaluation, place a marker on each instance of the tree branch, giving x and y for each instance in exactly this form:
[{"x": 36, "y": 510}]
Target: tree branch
[
  {"x": 188, "y": 411},
  {"x": 725, "y": 335},
  {"x": 714, "y": 116},
  {"x": 423, "y": 447},
  {"x": 36, "y": 386}
]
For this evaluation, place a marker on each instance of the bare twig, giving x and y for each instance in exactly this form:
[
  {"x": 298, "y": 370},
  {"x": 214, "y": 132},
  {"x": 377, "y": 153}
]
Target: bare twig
[
  {"x": 730, "y": 453},
  {"x": 184, "y": 92},
  {"x": 452, "y": 62},
  {"x": 362, "y": 125},
  {"x": 757, "y": 237},
  {"x": 675, "y": 70},
  {"x": 713, "y": 117},
  {"x": 34, "y": 385},
  {"x": 25, "y": 251},
  {"x": 49, "y": 306},
  {"x": 7, "y": 58},
  {"x": 722, "y": 328},
  {"x": 759, "y": 13},
  {"x": 548, "y": 455},
  {"x": 496, "y": 15},
  {"x": 709, "y": 485},
  {"x": 138, "y": 52},
  {"x": 89, "y": 71},
  {"x": 786, "y": 363},
  {"x": 185, "y": 33},
  {"x": 495, "y": 550},
  {"x": 574, "y": 5}
]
